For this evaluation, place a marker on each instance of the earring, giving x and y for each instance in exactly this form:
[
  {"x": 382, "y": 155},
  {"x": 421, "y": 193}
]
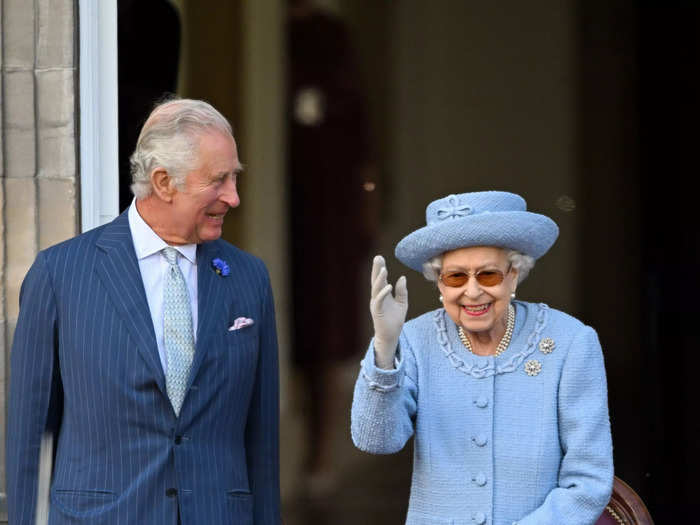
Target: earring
[
  {"x": 440, "y": 298},
  {"x": 512, "y": 296}
]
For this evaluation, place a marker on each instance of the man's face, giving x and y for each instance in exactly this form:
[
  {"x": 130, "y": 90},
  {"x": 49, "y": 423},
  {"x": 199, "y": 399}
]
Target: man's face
[{"x": 210, "y": 190}]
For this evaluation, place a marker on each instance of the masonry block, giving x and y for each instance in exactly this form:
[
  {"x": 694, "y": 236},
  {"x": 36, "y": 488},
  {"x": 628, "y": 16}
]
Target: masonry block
[
  {"x": 19, "y": 88},
  {"x": 57, "y": 152},
  {"x": 20, "y": 237},
  {"x": 55, "y": 96},
  {"x": 19, "y": 132},
  {"x": 56, "y": 123},
  {"x": 57, "y": 211},
  {"x": 18, "y": 33},
  {"x": 55, "y": 32}
]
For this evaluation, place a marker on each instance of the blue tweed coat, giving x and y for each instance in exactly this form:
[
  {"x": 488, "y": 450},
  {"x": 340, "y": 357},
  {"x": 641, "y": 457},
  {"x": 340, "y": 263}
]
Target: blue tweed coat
[
  {"x": 494, "y": 445},
  {"x": 85, "y": 365}
]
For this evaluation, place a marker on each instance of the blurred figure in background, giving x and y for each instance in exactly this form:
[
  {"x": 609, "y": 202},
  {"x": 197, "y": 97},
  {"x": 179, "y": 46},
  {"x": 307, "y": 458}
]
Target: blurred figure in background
[{"x": 332, "y": 189}]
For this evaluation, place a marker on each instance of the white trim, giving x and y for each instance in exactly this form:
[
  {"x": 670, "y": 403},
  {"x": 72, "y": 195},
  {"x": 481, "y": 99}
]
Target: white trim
[{"x": 99, "y": 141}]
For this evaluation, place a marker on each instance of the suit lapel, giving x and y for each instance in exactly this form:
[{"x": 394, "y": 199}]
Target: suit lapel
[
  {"x": 210, "y": 303},
  {"x": 118, "y": 270}
]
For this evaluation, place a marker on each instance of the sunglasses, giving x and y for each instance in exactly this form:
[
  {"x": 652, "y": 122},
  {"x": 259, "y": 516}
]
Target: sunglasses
[{"x": 484, "y": 278}]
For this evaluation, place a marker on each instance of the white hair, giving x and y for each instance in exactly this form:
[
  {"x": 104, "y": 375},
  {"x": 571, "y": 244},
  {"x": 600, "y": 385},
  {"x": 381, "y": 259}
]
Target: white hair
[
  {"x": 521, "y": 262},
  {"x": 170, "y": 139}
]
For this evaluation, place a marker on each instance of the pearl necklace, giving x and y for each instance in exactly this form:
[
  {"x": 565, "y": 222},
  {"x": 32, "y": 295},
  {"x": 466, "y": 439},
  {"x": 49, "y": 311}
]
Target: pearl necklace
[{"x": 505, "y": 340}]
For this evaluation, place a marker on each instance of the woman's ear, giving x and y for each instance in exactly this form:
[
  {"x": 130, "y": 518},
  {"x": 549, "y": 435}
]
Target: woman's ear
[
  {"x": 163, "y": 184},
  {"x": 516, "y": 273},
  {"x": 440, "y": 286}
]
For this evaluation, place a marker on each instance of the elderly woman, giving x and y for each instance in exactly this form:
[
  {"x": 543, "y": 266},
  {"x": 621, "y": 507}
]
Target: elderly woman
[{"x": 507, "y": 399}]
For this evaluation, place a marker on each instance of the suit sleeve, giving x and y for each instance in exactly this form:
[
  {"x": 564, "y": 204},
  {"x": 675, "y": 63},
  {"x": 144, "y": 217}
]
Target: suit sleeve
[
  {"x": 384, "y": 402},
  {"x": 33, "y": 403},
  {"x": 586, "y": 473},
  {"x": 262, "y": 429}
]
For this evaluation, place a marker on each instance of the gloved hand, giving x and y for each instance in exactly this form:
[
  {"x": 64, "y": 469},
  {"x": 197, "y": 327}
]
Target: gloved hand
[{"x": 388, "y": 313}]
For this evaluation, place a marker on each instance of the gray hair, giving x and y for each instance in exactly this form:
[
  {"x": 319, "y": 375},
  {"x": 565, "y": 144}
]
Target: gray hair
[
  {"x": 169, "y": 139},
  {"x": 521, "y": 262}
]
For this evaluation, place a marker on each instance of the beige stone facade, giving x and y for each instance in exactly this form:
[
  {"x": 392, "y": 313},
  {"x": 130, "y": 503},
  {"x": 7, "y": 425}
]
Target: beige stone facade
[{"x": 39, "y": 203}]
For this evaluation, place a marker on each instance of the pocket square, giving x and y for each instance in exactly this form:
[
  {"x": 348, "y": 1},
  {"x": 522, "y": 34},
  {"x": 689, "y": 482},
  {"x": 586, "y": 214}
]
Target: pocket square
[{"x": 241, "y": 322}]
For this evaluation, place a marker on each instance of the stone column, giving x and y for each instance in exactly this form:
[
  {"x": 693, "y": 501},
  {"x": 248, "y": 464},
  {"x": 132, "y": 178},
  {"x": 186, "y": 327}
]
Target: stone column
[{"x": 38, "y": 200}]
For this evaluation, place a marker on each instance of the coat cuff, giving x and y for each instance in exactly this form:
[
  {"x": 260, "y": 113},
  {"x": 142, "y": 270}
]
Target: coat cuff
[{"x": 380, "y": 379}]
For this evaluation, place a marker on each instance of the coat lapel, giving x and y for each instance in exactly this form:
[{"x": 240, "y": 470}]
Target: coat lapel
[
  {"x": 210, "y": 303},
  {"x": 118, "y": 270}
]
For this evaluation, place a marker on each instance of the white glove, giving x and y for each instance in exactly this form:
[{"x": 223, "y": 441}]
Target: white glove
[{"x": 388, "y": 313}]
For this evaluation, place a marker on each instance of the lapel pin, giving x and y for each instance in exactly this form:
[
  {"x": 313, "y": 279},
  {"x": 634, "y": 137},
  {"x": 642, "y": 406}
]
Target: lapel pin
[{"x": 220, "y": 267}]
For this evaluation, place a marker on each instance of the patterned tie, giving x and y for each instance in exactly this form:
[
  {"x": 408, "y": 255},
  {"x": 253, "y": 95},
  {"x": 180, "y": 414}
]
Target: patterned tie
[{"x": 177, "y": 331}]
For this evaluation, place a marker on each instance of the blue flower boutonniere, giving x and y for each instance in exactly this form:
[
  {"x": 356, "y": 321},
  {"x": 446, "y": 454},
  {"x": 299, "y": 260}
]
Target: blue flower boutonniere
[{"x": 220, "y": 267}]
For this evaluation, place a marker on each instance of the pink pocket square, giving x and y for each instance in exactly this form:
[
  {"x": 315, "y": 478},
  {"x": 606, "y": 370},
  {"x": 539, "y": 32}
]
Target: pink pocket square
[{"x": 239, "y": 323}]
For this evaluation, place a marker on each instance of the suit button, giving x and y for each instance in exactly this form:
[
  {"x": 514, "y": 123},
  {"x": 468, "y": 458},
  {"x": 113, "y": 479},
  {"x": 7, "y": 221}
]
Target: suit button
[
  {"x": 480, "y": 479},
  {"x": 171, "y": 492},
  {"x": 480, "y": 440},
  {"x": 178, "y": 440}
]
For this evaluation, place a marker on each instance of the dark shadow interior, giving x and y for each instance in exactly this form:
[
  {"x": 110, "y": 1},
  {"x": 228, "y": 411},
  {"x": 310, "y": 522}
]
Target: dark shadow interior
[{"x": 628, "y": 256}]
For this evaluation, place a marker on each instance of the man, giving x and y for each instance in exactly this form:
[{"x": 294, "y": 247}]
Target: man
[{"x": 148, "y": 346}]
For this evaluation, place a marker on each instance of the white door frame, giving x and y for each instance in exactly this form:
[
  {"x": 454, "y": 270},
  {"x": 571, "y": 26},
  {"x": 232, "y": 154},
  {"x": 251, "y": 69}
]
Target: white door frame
[{"x": 99, "y": 124}]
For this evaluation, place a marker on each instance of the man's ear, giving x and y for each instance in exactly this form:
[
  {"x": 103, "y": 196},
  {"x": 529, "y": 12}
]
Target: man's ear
[{"x": 163, "y": 184}]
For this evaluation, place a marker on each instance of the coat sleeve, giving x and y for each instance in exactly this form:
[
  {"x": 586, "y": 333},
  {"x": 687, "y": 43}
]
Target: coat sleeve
[
  {"x": 384, "y": 402},
  {"x": 262, "y": 428},
  {"x": 586, "y": 472},
  {"x": 34, "y": 403}
]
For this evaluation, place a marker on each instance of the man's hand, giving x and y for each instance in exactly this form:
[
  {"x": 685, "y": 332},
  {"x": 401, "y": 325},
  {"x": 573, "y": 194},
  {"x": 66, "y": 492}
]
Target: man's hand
[{"x": 388, "y": 313}]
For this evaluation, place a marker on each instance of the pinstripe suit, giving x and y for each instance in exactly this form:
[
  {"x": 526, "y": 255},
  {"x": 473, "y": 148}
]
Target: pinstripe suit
[{"x": 85, "y": 364}]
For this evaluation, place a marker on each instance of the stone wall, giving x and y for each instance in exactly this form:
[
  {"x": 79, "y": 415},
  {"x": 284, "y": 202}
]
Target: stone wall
[{"x": 38, "y": 159}]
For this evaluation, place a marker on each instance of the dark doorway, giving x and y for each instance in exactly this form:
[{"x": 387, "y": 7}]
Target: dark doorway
[
  {"x": 148, "y": 35},
  {"x": 640, "y": 103},
  {"x": 669, "y": 104}
]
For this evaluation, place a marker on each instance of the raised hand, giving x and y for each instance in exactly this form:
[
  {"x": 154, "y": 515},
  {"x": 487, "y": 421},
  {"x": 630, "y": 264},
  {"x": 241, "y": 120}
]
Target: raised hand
[{"x": 388, "y": 313}]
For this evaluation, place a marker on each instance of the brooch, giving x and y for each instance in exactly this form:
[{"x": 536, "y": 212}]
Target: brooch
[
  {"x": 547, "y": 345},
  {"x": 533, "y": 367},
  {"x": 220, "y": 267}
]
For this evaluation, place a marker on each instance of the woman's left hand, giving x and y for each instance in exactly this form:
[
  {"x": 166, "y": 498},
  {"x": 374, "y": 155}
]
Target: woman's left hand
[{"x": 388, "y": 313}]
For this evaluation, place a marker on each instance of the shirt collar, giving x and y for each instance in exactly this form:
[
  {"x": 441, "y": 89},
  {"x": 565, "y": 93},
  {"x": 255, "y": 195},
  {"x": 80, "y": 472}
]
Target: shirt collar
[{"x": 147, "y": 242}]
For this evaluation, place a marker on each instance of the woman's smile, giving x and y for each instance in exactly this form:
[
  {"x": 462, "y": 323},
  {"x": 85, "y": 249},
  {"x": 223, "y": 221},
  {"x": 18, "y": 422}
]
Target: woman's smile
[{"x": 476, "y": 310}]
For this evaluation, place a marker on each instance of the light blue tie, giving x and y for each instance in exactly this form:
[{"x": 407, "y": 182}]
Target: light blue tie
[{"x": 177, "y": 331}]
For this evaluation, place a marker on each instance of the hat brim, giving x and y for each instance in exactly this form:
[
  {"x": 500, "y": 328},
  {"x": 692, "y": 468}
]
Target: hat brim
[{"x": 529, "y": 233}]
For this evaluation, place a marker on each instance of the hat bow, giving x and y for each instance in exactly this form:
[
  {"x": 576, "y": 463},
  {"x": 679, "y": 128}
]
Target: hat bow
[{"x": 454, "y": 210}]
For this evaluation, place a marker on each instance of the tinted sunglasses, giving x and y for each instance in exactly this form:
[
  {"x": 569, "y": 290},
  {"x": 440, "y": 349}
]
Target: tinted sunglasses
[{"x": 484, "y": 278}]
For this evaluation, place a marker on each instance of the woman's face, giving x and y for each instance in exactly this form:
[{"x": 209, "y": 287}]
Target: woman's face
[{"x": 474, "y": 306}]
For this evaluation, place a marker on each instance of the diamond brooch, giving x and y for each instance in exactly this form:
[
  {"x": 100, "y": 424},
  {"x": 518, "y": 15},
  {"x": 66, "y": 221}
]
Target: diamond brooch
[
  {"x": 533, "y": 367},
  {"x": 547, "y": 345}
]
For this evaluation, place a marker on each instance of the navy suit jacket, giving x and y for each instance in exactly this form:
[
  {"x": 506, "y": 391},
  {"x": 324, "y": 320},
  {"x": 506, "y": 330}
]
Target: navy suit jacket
[{"x": 85, "y": 365}]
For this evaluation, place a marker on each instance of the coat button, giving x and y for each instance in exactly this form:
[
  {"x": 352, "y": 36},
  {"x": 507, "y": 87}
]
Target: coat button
[
  {"x": 171, "y": 492},
  {"x": 480, "y": 440},
  {"x": 178, "y": 440},
  {"x": 480, "y": 479},
  {"x": 481, "y": 402},
  {"x": 479, "y": 518}
]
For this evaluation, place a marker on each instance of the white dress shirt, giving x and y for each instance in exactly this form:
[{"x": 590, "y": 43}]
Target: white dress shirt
[{"x": 153, "y": 266}]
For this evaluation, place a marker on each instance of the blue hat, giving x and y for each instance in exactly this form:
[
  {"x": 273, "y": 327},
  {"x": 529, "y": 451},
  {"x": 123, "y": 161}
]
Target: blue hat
[{"x": 483, "y": 218}]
